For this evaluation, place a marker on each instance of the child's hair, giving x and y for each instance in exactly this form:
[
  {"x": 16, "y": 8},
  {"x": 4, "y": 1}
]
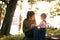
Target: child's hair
[{"x": 44, "y": 15}]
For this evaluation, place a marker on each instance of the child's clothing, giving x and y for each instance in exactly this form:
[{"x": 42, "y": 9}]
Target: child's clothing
[
  {"x": 42, "y": 24},
  {"x": 42, "y": 33},
  {"x": 39, "y": 34}
]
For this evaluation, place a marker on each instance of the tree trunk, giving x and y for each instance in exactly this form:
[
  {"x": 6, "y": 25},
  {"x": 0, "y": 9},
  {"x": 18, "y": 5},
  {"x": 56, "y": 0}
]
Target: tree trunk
[{"x": 8, "y": 17}]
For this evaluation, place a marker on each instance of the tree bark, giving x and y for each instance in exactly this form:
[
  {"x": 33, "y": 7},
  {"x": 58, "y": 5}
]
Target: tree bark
[{"x": 8, "y": 17}]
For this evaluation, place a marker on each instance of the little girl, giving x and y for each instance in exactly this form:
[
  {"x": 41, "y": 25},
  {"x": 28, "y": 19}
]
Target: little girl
[{"x": 40, "y": 31}]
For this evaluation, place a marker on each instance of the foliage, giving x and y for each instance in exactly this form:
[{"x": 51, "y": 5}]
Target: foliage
[
  {"x": 6, "y": 1},
  {"x": 58, "y": 7},
  {"x": 52, "y": 30},
  {"x": 31, "y": 1},
  {"x": 55, "y": 10}
]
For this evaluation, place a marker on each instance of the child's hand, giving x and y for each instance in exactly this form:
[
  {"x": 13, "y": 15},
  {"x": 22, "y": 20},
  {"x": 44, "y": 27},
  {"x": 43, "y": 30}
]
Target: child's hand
[{"x": 38, "y": 27}]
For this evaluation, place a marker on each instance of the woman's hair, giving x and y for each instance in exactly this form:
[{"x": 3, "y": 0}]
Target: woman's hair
[
  {"x": 30, "y": 14},
  {"x": 43, "y": 14}
]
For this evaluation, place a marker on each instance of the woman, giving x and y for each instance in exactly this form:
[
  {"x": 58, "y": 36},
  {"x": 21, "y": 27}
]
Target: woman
[{"x": 28, "y": 24}]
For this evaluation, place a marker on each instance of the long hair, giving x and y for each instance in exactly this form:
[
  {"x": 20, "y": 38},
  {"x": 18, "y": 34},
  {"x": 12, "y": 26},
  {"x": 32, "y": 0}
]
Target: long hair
[{"x": 30, "y": 14}]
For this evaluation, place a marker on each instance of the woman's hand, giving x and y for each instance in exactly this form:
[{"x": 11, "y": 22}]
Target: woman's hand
[{"x": 33, "y": 25}]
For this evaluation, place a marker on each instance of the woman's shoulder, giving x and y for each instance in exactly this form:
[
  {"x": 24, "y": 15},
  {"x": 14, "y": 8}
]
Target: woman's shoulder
[{"x": 25, "y": 20}]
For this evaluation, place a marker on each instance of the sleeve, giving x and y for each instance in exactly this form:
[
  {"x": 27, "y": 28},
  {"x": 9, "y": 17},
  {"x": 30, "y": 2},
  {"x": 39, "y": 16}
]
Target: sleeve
[{"x": 25, "y": 26}]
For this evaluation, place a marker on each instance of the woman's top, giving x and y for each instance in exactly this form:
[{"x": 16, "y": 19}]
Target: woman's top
[{"x": 27, "y": 25}]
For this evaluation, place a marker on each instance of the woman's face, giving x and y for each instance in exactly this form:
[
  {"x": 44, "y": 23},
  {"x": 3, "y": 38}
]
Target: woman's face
[{"x": 33, "y": 17}]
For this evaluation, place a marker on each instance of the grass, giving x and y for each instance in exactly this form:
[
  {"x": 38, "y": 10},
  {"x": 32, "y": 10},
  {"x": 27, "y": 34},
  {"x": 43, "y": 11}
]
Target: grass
[{"x": 13, "y": 37}]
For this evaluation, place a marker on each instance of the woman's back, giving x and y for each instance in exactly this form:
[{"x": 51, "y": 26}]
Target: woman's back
[{"x": 26, "y": 26}]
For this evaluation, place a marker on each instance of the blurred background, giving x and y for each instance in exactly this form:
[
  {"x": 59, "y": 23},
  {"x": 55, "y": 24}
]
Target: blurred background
[{"x": 50, "y": 7}]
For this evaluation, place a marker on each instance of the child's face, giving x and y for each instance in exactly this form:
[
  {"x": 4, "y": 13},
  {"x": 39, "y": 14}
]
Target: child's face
[{"x": 43, "y": 17}]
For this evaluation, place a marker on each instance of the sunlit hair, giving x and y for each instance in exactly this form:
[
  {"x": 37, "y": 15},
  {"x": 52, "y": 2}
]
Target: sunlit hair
[
  {"x": 44, "y": 15},
  {"x": 30, "y": 14}
]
